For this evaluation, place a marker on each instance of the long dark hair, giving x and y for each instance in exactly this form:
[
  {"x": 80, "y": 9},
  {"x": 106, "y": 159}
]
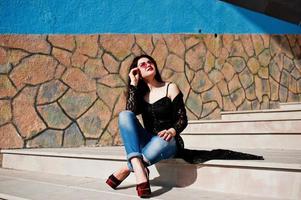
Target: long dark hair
[{"x": 142, "y": 86}]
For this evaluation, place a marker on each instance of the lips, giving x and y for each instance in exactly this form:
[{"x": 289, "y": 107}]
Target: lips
[{"x": 149, "y": 68}]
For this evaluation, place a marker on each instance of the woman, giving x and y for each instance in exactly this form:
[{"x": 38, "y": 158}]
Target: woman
[{"x": 164, "y": 117}]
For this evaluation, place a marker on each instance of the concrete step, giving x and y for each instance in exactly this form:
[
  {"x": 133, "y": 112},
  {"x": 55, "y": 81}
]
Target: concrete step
[
  {"x": 262, "y": 134},
  {"x": 278, "y": 176},
  {"x": 277, "y": 114},
  {"x": 21, "y": 185},
  {"x": 290, "y": 105}
]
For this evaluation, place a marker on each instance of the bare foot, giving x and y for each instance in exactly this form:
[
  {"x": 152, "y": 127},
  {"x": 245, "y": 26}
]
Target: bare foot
[{"x": 122, "y": 173}]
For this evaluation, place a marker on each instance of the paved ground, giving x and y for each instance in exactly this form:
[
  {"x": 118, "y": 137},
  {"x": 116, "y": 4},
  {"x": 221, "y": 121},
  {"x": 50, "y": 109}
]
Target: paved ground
[{"x": 21, "y": 185}]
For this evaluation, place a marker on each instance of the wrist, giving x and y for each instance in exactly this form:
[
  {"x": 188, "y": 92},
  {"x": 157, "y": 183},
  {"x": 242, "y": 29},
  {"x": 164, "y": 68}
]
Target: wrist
[{"x": 133, "y": 84}]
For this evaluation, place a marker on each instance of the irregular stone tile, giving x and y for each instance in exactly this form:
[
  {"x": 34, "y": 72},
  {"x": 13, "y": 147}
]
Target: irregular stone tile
[
  {"x": 220, "y": 61},
  {"x": 283, "y": 94},
  {"x": 62, "y": 41},
  {"x": 5, "y": 112},
  {"x": 47, "y": 139},
  {"x": 107, "y": 139},
  {"x": 286, "y": 48},
  {"x": 9, "y": 137},
  {"x": 167, "y": 73},
  {"x": 51, "y": 91},
  {"x": 264, "y": 57},
  {"x": 253, "y": 65},
  {"x": 266, "y": 40},
  {"x": 297, "y": 51},
  {"x": 297, "y": 63},
  {"x": 78, "y": 80},
  {"x": 246, "y": 78},
  {"x": 189, "y": 73},
  {"x": 29, "y": 124},
  {"x": 60, "y": 69},
  {"x": 175, "y": 63},
  {"x": 265, "y": 104},
  {"x": 228, "y": 105},
  {"x": 95, "y": 120},
  {"x": 212, "y": 95},
  {"x": 194, "y": 103},
  {"x": 160, "y": 53},
  {"x": 78, "y": 59},
  {"x": 15, "y": 56},
  {"x": 292, "y": 85},
  {"x": 54, "y": 116},
  {"x": 238, "y": 63},
  {"x": 190, "y": 115},
  {"x": 223, "y": 87},
  {"x": 201, "y": 82},
  {"x": 274, "y": 104},
  {"x": 227, "y": 41},
  {"x": 103, "y": 91},
  {"x": 73, "y": 137},
  {"x": 237, "y": 50},
  {"x": 6, "y": 87},
  {"x": 113, "y": 126},
  {"x": 145, "y": 43},
  {"x": 247, "y": 44},
  {"x": 292, "y": 97},
  {"x": 191, "y": 40},
  {"x": 34, "y": 70},
  {"x": 137, "y": 51},
  {"x": 238, "y": 97},
  {"x": 285, "y": 78},
  {"x": 110, "y": 63},
  {"x": 175, "y": 44},
  {"x": 234, "y": 84},
  {"x": 75, "y": 103},
  {"x": 209, "y": 63},
  {"x": 208, "y": 108},
  {"x": 195, "y": 56},
  {"x": 263, "y": 72},
  {"x": 31, "y": 43},
  {"x": 274, "y": 71},
  {"x": 299, "y": 86},
  {"x": 87, "y": 44},
  {"x": 275, "y": 47},
  {"x": 250, "y": 92},
  {"x": 125, "y": 67},
  {"x": 215, "y": 76},
  {"x": 228, "y": 71},
  {"x": 214, "y": 115},
  {"x": 64, "y": 57},
  {"x": 255, "y": 105},
  {"x": 91, "y": 142},
  {"x": 112, "y": 80},
  {"x": 257, "y": 43},
  {"x": 94, "y": 68},
  {"x": 3, "y": 57},
  {"x": 262, "y": 87},
  {"x": 119, "y": 45},
  {"x": 274, "y": 89},
  {"x": 213, "y": 44},
  {"x": 246, "y": 105},
  {"x": 288, "y": 64},
  {"x": 120, "y": 105}
]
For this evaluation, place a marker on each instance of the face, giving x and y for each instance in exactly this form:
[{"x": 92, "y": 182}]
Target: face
[{"x": 146, "y": 67}]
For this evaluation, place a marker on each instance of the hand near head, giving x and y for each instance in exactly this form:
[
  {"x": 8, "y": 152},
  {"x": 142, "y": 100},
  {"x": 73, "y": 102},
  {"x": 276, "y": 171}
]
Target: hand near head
[
  {"x": 134, "y": 76},
  {"x": 167, "y": 134}
]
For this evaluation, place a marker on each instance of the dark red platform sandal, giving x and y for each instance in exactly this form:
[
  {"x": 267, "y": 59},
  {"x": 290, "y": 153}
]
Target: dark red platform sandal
[
  {"x": 143, "y": 189},
  {"x": 113, "y": 182}
]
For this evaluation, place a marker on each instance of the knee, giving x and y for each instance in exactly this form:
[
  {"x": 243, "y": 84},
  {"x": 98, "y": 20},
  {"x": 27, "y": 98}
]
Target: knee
[{"x": 125, "y": 116}]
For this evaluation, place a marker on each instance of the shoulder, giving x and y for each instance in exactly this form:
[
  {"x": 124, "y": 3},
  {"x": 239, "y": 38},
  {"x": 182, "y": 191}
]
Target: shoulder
[{"x": 173, "y": 90}]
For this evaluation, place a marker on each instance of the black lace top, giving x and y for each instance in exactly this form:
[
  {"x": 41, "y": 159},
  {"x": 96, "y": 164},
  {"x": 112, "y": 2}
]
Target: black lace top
[{"x": 162, "y": 114}]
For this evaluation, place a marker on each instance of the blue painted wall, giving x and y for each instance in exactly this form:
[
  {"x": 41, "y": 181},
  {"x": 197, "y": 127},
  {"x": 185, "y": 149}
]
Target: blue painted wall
[{"x": 134, "y": 16}]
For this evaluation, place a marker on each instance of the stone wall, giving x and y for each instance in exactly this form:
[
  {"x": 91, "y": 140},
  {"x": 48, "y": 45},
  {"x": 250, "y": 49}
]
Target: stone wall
[{"x": 67, "y": 90}]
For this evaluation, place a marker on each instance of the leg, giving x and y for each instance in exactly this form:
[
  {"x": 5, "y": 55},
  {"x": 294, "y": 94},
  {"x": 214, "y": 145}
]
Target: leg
[{"x": 159, "y": 149}]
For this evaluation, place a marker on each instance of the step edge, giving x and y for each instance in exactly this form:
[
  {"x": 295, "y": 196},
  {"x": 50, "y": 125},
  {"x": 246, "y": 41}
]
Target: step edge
[
  {"x": 235, "y": 121},
  {"x": 259, "y": 111}
]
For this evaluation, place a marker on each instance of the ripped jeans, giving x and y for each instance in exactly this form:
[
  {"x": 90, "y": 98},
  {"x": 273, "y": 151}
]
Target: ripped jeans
[{"x": 140, "y": 143}]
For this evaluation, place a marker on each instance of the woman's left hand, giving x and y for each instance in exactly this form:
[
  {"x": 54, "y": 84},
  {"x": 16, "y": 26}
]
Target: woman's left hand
[{"x": 167, "y": 134}]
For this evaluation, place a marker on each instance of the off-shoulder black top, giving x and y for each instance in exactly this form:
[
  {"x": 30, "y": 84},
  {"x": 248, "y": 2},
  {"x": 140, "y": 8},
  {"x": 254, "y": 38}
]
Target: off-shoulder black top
[{"x": 162, "y": 114}]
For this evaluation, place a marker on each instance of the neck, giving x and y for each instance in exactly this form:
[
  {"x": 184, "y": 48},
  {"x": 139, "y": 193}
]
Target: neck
[{"x": 152, "y": 83}]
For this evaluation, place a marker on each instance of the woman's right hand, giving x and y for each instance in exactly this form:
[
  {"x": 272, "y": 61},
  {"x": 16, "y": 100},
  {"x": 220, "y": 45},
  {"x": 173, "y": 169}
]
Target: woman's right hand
[{"x": 134, "y": 76}]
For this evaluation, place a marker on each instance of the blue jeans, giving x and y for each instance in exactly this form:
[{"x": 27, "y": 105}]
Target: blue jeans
[{"x": 140, "y": 143}]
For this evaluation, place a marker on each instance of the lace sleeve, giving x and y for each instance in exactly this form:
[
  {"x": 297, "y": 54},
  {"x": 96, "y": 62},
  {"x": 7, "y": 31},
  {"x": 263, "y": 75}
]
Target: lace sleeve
[
  {"x": 179, "y": 114},
  {"x": 132, "y": 102}
]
